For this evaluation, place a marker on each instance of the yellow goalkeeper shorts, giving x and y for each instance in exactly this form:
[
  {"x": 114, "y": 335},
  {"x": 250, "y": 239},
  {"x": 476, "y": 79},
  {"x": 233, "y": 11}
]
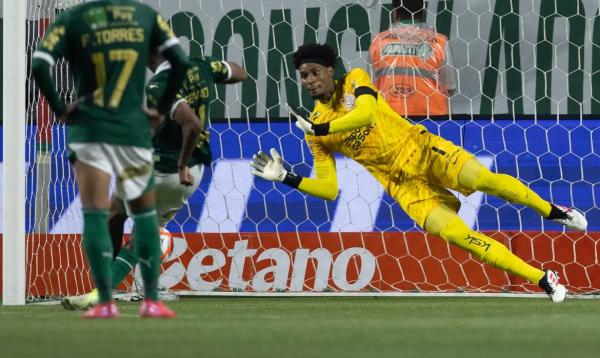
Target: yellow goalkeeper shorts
[{"x": 431, "y": 165}]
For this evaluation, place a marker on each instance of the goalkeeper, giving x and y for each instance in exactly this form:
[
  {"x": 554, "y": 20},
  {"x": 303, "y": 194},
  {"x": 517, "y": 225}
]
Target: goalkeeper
[
  {"x": 414, "y": 166},
  {"x": 181, "y": 151}
]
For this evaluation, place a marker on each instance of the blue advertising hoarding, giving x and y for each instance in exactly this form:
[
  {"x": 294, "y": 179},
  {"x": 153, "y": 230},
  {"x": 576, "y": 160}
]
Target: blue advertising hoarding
[{"x": 557, "y": 158}]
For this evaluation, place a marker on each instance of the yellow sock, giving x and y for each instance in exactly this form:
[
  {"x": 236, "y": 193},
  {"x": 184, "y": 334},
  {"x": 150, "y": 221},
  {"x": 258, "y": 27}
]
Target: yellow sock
[
  {"x": 511, "y": 190},
  {"x": 489, "y": 250}
]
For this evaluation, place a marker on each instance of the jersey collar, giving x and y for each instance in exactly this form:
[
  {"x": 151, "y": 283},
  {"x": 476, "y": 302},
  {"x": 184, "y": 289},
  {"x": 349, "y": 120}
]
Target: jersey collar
[
  {"x": 163, "y": 67},
  {"x": 329, "y": 103}
]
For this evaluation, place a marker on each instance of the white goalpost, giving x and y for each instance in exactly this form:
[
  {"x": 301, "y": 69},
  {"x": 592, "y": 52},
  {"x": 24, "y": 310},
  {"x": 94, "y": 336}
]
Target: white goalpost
[{"x": 13, "y": 168}]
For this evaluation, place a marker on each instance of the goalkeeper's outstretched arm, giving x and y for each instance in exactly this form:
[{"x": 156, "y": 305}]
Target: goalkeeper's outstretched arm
[
  {"x": 363, "y": 114},
  {"x": 323, "y": 186}
]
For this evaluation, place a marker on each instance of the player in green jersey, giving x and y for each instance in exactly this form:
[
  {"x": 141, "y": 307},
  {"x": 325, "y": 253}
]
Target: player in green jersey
[
  {"x": 181, "y": 151},
  {"x": 107, "y": 44}
]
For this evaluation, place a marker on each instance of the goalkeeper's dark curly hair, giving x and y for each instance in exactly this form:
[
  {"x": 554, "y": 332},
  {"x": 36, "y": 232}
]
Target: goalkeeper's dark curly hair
[{"x": 315, "y": 53}]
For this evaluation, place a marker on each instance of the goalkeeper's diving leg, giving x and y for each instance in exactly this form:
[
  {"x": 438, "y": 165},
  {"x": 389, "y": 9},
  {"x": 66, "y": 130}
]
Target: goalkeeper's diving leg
[
  {"x": 445, "y": 222},
  {"x": 473, "y": 175}
]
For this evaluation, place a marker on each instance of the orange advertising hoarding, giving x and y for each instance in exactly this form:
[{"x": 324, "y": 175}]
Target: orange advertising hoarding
[{"x": 305, "y": 262}]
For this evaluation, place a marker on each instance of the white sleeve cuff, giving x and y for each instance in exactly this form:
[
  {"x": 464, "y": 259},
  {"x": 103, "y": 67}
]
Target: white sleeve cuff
[
  {"x": 168, "y": 44},
  {"x": 229, "y": 71},
  {"x": 44, "y": 56},
  {"x": 174, "y": 107}
]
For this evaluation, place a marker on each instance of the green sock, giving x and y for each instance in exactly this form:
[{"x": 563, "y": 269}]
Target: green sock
[
  {"x": 96, "y": 241},
  {"x": 147, "y": 247},
  {"x": 122, "y": 265}
]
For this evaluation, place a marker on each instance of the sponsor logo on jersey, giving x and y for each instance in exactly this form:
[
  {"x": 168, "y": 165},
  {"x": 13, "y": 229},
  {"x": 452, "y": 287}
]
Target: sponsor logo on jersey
[
  {"x": 96, "y": 17},
  {"x": 122, "y": 13},
  {"x": 53, "y": 37},
  {"x": 200, "y": 94},
  {"x": 472, "y": 240},
  {"x": 218, "y": 67},
  {"x": 422, "y": 50},
  {"x": 193, "y": 74},
  {"x": 357, "y": 137}
]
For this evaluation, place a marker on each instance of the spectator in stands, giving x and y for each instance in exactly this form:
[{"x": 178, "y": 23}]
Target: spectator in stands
[{"x": 412, "y": 64}]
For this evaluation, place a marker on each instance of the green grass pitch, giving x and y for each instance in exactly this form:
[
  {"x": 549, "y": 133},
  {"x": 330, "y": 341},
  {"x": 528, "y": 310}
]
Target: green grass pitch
[{"x": 313, "y": 327}]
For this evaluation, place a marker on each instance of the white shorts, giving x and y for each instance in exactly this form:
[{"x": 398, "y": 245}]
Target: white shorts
[
  {"x": 171, "y": 195},
  {"x": 132, "y": 166}
]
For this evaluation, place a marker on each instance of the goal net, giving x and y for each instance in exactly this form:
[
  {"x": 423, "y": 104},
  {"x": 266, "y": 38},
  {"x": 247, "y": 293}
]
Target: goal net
[{"x": 526, "y": 96}]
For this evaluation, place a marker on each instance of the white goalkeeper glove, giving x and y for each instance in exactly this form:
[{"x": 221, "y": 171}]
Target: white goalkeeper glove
[
  {"x": 305, "y": 125},
  {"x": 268, "y": 168}
]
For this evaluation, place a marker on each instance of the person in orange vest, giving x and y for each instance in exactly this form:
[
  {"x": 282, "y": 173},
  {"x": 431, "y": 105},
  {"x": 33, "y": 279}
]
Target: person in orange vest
[{"x": 411, "y": 63}]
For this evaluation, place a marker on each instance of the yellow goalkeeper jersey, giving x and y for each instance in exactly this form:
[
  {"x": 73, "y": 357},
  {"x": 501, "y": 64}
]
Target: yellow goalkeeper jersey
[
  {"x": 414, "y": 166},
  {"x": 377, "y": 147}
]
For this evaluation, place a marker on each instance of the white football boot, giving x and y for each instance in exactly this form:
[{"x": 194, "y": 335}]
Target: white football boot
[
  {"x": 572, "y": 218},
  {"x": 555, "y": 290},
  {"x": 82, "y": 302}
]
